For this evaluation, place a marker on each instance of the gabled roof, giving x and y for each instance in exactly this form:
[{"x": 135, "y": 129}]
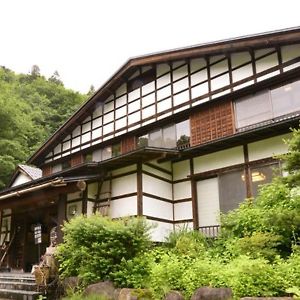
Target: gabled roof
[
  {"x": 32, "y": 172},
  {"x": 269, "y": 39}
]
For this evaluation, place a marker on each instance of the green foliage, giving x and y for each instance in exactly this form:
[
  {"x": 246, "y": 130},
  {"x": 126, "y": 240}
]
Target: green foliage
[
  {"x": 32, "y": 108},
  {"x": 255, "y": 277},
  {"x": 276, "y": 211},
  {"x": 166, "y": 274},
  {"x": 132, "y": 273},
  {"x": 295, "y": 291},
  {"x": 187, "y": 242},
  {"x": 95, "y": 247}
]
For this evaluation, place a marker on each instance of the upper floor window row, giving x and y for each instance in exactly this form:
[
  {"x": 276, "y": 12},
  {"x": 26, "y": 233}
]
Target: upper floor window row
[
  {"x": 155, "y": 92},
  {"x": 267, "y": 105},
  {"x": 171, "y": 136}
]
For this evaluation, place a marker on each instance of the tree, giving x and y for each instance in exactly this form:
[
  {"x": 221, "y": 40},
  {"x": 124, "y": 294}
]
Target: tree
[
  {"x": 55, "y": 78},
  {"x": 31, "y": 109},
  {"x": 35, "y": 71},
  {"x": 91, "y": 91}
]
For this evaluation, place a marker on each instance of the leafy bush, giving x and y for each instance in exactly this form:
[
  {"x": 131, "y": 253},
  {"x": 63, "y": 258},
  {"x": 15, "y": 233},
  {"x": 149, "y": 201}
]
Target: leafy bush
[
  {"x": 187, "y": 242},
  {"x": 132, "y": 273},
  {"x": 166, "y": 274},
  {"x": 252, "y": 277},
  {"x": 94, "y": 247},
  {"x": 289, "y": 269},
  {"x": 202, "y": 272},
  {"x": 276, "y": 211}
]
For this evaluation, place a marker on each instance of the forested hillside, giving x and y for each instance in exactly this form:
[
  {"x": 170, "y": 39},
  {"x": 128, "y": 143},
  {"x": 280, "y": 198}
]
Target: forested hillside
[{"x": 31, "y": 109}]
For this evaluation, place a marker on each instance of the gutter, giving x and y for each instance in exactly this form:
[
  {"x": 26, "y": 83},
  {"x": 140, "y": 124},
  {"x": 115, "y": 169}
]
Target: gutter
[{"x": 58, "y": 182}]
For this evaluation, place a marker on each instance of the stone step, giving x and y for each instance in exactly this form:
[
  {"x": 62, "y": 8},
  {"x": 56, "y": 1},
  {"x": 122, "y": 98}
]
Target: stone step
[
  {"x": 17, "y": 277},
  {"x": 18, "y": 280},
  {"x": 18, "y": 285},
  {"x": 19, "y": 295}
]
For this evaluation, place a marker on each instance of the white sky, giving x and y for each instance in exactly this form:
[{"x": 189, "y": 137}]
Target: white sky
[{"x": 87, "y": 41}]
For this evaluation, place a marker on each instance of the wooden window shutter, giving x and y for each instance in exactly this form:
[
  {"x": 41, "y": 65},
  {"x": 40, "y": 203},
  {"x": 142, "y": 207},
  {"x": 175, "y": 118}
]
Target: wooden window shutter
[
  {"x": 47, "y": 170},
  {"x": 211, "y": 123},
  {"x": 128, "y": 144},
  {"x": 76, "y": 159}
]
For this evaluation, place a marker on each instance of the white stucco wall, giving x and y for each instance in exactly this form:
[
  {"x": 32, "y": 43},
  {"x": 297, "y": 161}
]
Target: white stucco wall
[
  {"x": 219, "y": 159},
  {"x": 157, "y": 208},
  {"x": 157, "y": 187},
  {"x": 268, "y": 147},
  {"x": 123, "y": 207},
  {"x": 160, "y": 231},
  {"x": 183, "y": 211},
  {"x": 21, "y": 178}
]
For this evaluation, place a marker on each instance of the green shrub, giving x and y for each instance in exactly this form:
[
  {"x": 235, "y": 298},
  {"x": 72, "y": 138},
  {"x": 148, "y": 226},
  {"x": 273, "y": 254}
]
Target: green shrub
[
  {"x": 132, "y": 273},
  {"x": 166, "y": 274},
  {"x": 202, "y": 272},
  {"x": 187, "y": 242},
  {"x": 289, "y": 269},
  {"x": 95, "y": 246},
  {"x": 252, "y": 277}
]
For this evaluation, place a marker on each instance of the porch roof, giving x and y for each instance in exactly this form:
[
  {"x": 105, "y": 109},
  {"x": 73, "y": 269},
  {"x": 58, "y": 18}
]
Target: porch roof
[{"x": 88, "y": 171}]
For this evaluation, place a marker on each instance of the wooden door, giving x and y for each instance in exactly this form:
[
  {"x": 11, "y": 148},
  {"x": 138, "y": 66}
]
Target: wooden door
[{"x": 17, "y": 251}]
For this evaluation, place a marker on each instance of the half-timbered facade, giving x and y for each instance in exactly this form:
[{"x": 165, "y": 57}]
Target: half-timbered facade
[{"x": 177, "y": 137}]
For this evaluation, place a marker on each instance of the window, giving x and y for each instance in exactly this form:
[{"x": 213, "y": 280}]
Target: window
[
  {"x": 183, "y": 134},
  {"x": 285, "y": 99},
  {"x": 171, "y": 136},
  {"x": 232, "y": 190},
  {"x": 97, "y": 155},
  {"x": 253, "y": 109},
  {"x": 267, "y": 105},
  {"x": 88, "y": 157},
  {"x": 261, "y": 175},
  {"x": 143, "y": 141},
  {"x": 56, "y": 168},
  {"x": 116, "y": 149},
  {"x": 155, "y": 138},
  {"x": 66, "y": 165},
  {"x": 106, "y": 153}
]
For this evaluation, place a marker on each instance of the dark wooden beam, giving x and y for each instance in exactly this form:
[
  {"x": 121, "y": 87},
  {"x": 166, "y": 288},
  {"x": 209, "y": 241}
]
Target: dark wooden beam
[
  {"x": 61, "y": 216},
  {"x": 194, "y": 197},
  {"x": 139, "y": 189}
]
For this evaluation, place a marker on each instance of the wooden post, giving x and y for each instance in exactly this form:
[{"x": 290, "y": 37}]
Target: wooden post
[
  {"x": 61, "y": 216},
  {"x": 139, "y": 190},
  {"x": 194, "y": 197}
]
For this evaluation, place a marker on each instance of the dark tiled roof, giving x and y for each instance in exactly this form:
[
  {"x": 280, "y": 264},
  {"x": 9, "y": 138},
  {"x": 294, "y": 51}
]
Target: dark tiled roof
[{"x": 32, "y": 172}]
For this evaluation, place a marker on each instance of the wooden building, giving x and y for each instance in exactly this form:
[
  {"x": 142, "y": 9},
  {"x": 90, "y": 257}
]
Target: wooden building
[{"x": 176, "y": 137}]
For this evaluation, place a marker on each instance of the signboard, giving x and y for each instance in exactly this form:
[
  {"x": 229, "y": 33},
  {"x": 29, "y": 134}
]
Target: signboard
[{"x": 38, "y": 234}]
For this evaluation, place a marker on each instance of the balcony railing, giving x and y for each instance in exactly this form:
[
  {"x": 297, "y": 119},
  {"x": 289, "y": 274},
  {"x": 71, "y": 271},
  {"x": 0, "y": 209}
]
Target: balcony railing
[
  {"x": 210, "y": 231},
  {"x": 183, "y": 146}
]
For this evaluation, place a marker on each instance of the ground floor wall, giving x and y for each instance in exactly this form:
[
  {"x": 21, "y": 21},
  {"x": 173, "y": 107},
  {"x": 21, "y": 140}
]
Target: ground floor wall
[{"x": 188, "y": 193}]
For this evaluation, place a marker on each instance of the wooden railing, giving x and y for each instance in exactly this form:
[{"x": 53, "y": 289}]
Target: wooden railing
[
  {"x": 183, "y": 146},
  {"x": 6, "y": 247},
  {"x": 210, "y": 231}
]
